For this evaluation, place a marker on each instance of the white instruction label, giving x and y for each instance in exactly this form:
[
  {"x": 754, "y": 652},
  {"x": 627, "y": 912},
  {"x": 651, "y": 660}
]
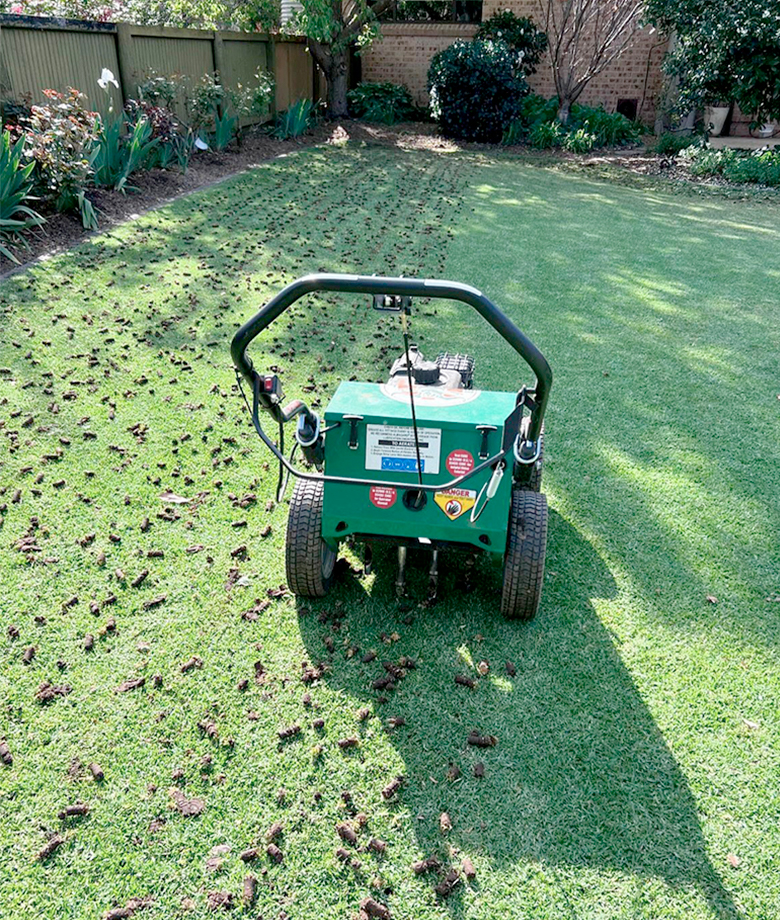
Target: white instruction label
[{"x": 391, "y": 449}]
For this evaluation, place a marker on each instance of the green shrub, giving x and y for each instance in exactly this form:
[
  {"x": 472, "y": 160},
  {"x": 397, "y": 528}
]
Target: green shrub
[
  {"x": 516, "y": 133},
  {"x": 670, "y": 143},
  {"x": 476, "y": 89},
  {"x": 580, "y": 141},
  {"x": 520, "y": 33},
  {"x": 537, "y": 109},
  {"x": 386, "y": 103},
  {"x": 214, "y": 106},
  {"x": 546, "y": 134},
  {"x": 174, "y": 139},
  {"x": 587, "y": 127},
  {"x": 761, "y": 166},
  {"x": 609, "y": 129},
  {"x": 206, "y": 97},
  {"x": 162, "y": 90},
  {"x": 707, "y": 161},
  {"x": 295, "y": 121},
  {"x": 15, "y": 190}
]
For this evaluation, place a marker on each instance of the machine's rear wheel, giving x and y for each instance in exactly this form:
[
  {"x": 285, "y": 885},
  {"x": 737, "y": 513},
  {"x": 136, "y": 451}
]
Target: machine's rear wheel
[
  {"x": 524, "y": 560},
  {"x": 309, "y": 560}
]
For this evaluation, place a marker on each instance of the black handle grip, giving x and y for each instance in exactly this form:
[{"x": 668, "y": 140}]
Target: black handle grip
[{"x": 412, "y": 287}]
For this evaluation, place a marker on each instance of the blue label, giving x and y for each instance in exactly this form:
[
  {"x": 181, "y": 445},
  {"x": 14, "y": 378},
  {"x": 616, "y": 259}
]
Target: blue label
[{"x": 401, "y": 464}]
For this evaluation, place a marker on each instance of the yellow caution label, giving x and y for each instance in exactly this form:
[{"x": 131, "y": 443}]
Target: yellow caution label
[{"x": 455, "y": 502}]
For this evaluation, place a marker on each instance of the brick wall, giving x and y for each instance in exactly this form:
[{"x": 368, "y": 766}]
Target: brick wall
[{"x": 406, "y": 49}]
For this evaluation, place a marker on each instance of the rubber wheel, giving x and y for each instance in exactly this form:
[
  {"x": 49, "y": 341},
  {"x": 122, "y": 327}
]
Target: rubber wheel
[
  {"x": 526, "y": 544},
  {"x": 309, "y": 560}
]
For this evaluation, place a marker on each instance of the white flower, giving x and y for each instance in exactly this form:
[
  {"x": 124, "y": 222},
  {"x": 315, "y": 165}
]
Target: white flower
[
  {"x": 105, "y": 78},
  {"x": 201, "y": 144}
]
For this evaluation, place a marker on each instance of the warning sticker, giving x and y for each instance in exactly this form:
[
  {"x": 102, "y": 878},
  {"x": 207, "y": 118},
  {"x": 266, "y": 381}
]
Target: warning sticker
[
  {"x": 460, "y": 462},
  {"x": 455, "y": 502},
  {"x": 382, "y": 497},
  {"x": 398, "y": 390},
  {"x": 391, "y": 448}
]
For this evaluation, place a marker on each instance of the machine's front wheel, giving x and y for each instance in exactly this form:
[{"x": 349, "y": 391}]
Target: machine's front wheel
[
  {"x": 309, "y": 560},
  {"x": 524, "y": 560}
]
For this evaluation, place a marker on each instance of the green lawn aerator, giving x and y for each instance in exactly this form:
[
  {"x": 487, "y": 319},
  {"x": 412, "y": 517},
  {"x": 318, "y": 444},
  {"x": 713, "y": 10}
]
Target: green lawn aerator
[{"x": 423, "y": 460}]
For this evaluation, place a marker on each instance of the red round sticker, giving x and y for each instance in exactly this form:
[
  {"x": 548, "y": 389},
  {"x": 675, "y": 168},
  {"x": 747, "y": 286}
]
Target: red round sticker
[
  {"x": 382, "y": 497},
  {"x": 460, "y": 462}
]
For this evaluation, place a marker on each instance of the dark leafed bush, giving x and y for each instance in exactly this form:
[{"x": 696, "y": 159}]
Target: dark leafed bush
[
  {"x": 520, "y": 33},
  {"x": 476, "y": 89},
  {"x": 386, "y": 103}
]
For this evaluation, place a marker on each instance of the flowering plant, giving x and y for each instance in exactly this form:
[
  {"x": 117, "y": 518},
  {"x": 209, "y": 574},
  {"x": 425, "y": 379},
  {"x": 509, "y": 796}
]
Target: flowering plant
[{"x": 60, "y": 137}]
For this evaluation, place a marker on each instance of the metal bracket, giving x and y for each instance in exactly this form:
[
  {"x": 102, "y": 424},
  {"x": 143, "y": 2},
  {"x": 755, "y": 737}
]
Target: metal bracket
[
  {"x": 392, "y": 303},
  {"x": 518, "y": 448},
  {"x": 353, "y": 429},
  {"x": 483, "y": 448},
  {"x": 526, "y": 398}
]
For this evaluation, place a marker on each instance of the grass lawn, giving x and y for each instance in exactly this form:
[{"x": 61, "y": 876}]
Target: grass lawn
[{"x": 636, "y": 773}]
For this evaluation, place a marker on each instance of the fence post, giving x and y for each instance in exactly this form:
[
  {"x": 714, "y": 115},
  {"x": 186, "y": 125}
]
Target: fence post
[
  {"x": 270, "y": 65},
  {"x": 6, "y": 90},
  {"x": 124, "y": 52},
  {"x": 218, "y": 48}
]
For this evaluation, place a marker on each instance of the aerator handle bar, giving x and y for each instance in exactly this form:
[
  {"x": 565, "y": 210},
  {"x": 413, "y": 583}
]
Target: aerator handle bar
[
  {"x": 409, "y": 287},
  {"x": 412, "y": 287}
]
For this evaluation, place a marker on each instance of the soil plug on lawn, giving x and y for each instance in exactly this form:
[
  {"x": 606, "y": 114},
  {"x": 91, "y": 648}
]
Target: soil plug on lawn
[
  {"x": 482, "y": 741},
  {"x": 449, "y": 883},
  {"x": 187, "y": 807},
  {"x": 426, "y": 865},
  {"x": 347, "y": 833},
  {"x": 53, "y": 843},
  {"x": 372, "y": 908},
  {"x": 250, "y": 890},
  {"x": 274, "y": 853},
  {"x": 392, "y": 788},
  {"x": 74, "y": 811}
]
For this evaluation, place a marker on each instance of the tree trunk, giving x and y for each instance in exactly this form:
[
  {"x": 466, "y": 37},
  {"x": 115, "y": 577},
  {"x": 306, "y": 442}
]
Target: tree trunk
[
  {"x": 564, "y": 108},
  {"x": 337, "y": 75}
]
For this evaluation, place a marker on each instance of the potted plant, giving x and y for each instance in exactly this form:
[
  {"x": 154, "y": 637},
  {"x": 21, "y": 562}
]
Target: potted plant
[
  {"x": 717, "y": 104},
  {"x": 715, "y": 115}
]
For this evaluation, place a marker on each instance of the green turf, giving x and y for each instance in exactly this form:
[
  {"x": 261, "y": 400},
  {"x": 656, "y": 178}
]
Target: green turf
[{"x": 637, "y": 753}]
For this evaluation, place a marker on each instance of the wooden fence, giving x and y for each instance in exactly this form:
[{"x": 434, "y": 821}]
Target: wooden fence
[{"x": 38, "y": 54}]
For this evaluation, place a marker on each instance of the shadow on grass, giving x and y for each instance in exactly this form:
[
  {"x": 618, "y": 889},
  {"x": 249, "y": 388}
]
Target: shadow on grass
[{"x": 580, "y": 776}]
